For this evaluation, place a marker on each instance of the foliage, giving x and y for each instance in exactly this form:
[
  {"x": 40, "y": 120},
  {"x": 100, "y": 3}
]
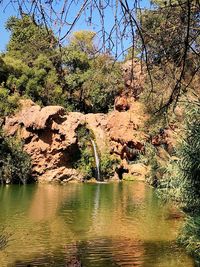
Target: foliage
[
  {"x": 39, "y": 82},
  {"x": 190, "y": 236},
  {"x": 180, "y": 181},
  {"x": 170, "y": 35},
  {"x": 92, "y": 82},
  {"x": 164, "y": 30},
  {"x": 32, "y": 66},
  {"x": 28, "y": 39},
  {"x": 15, "y": 164},
  {"x": 83, "y": 41},
  {"x": 181, "y": 178},
  {"x": 103, "y": 85},
  {"x": 190, "y": 163},
  {"x": 108, "y": 165},
  {"x": 150, "y": 158},
  {"x": 80, "y": 78},
  {"x": 8, "y": 103},
  {"x": 85, "y": 161}
]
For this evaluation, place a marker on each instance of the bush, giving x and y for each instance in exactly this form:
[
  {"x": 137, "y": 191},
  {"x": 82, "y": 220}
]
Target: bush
[
  {"x": 108, "y": 165},
  {"x": 181, "y": 182},
  {"x": 15, "y": 164},
  {"x": 190, "y": 237},
  {"x": 8, "y": 103},
  {"x": 190, "y": 162},
  {"x": 85, "y": 161}
]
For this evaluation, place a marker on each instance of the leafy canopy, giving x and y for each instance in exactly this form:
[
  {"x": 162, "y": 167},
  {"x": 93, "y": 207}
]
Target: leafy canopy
[{"x": 80, "y": 78}]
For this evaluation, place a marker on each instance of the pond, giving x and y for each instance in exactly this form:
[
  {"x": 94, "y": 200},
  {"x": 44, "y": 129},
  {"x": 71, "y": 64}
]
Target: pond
[{"x": 89, "y": 225}]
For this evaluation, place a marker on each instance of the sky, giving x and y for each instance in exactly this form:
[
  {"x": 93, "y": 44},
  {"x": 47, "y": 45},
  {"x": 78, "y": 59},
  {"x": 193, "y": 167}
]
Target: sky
[{"x": 5, "y": 13}]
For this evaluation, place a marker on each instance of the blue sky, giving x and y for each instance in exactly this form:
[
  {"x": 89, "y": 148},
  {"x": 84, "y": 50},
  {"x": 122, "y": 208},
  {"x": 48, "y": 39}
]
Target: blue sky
[{"x": 5, "y": 13}]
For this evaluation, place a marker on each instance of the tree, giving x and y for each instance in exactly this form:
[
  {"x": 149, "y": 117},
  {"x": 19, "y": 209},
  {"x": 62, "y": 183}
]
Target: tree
[
  {"x": 170, "y": 37},
  {"x": 180, "y": 18},
  {"x": 15, "y": 164},
  {"x": 92, "y": 79},
  {"x": 28, "y": 39},
  {"x": 8, "y": 103},
  {"x": 83, "y": 41},
  {"x": 32, "y": 67},
  {"x": 79, "y": 79},
  {"x": 39, "y": 82}
]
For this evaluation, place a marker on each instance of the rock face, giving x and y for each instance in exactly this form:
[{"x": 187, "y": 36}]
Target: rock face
[{"x": 50, "y": 137}]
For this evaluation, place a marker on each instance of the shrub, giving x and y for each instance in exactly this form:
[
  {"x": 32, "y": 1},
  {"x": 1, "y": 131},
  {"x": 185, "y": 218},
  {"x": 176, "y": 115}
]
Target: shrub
[
  {"x": 190, "y": 237},
  {"x": 15, "y": 164},
  {"x": 190, "y": 162},
  {"x": 108, "y": 165},
  {"x": 85, "y": 161},
  {"x": 8, "y": 103}
]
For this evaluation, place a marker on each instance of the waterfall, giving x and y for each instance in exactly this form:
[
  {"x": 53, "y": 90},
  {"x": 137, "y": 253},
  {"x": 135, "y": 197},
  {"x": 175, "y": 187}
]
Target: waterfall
[{"x": 96, "y": 160}]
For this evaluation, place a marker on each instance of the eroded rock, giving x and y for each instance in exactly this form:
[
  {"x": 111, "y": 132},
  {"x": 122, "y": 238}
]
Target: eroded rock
[{"x": 50, "y": 137}]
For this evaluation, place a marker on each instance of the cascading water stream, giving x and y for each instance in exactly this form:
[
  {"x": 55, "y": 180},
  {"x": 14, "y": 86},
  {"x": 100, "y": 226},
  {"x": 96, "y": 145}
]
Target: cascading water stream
[{"x": 96, "y": 161}]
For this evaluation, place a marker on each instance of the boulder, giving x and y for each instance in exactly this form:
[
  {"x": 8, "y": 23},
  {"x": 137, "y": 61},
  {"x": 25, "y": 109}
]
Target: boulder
[
  {"x": 62, "y": 174},
  {"x": 137, "y": 171},
  {"x": 37, "y": 118}
]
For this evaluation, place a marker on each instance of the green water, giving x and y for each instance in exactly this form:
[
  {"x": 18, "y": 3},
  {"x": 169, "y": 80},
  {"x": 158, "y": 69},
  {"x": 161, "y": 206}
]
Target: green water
[{"x": 99, "y": 225}]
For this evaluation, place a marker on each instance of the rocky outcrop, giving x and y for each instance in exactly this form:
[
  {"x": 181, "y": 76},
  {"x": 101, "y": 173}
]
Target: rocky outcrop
[
  {"x": 125, "y": 129},
  {"x": 137, "y": 171},
  {"x": 50, "y": 137}
]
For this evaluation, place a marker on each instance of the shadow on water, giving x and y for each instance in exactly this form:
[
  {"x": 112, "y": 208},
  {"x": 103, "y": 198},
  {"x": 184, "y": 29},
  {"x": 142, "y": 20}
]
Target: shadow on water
[{"x": 102, "y": 253}]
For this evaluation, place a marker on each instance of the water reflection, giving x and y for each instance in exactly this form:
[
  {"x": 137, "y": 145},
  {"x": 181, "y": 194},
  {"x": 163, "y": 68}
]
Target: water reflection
[
  {"x": 97, "y": 253},
  {"x": 89, "y": 225}
]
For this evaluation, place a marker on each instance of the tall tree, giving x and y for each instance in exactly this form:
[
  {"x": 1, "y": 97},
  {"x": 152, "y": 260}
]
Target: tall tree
[{"x": 28, "y": 40}]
